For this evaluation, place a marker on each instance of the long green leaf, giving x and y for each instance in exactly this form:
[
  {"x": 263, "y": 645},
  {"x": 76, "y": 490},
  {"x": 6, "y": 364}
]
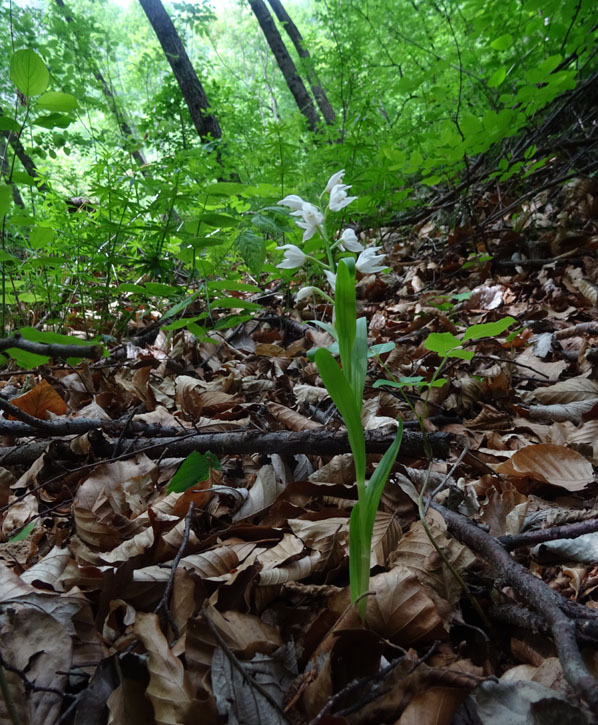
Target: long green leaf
[
  {"x": 359, "y": 360},
  {"x": 374, "y": 489},
  {"x": 342, "y": 396},
  {"x": 344, "y": 308}
]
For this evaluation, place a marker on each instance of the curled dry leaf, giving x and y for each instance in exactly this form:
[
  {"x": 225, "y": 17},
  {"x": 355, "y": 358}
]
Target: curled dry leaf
[
  {"x": 549, "y": 463},
  {"x": 401, "y": 611},
  {"x": 169, "y": 689}
]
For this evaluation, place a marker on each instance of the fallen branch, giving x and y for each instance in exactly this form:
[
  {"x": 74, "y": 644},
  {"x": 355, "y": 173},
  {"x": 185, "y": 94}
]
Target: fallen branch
[
  {"x": 312, "y": 442},
  {"x": 54, "y": 349},
  {"x": 536, "y": 594},
  {"x": 564, "y": 531}
]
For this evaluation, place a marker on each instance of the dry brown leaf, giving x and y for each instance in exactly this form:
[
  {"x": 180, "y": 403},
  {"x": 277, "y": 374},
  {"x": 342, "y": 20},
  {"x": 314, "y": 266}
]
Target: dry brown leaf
[
  {"x": 290, "y": 418},
  {"x": 549, "y": 463},
  {"x": 169, "y": 689},
  {"x": 39, "y": 401},
  {"x": 401, "y": 611},
  {"x": 436, "y": 705},
  {"x": 567, "y": 391}
]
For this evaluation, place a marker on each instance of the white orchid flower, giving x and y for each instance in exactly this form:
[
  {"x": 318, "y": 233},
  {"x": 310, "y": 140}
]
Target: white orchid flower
[
  {"x": 312, "y": 219},
  {"x": 331, "y": 277},
  {"x": 305, "y": 292},
  {"x": 350, "y": 242},
  {"x": 334, "y": 180},
  {"x": 293, "y": 257},
  {"x": 293, "y": 201},
  {"x": 339, "y": 198},
  {"x": 367, "y": 262}
]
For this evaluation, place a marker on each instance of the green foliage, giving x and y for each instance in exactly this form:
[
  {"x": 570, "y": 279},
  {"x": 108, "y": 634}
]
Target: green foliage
[{"x": 194, "y": 469}]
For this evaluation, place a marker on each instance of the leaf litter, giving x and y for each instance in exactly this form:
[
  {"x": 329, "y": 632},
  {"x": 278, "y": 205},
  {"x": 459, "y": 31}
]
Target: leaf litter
[{"x": 227, "y": 598}]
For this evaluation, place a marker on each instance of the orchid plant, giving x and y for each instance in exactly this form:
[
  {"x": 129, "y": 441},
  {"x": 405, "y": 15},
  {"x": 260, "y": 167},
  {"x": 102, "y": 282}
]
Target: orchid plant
[
  {"x": 345, "y": 382},
  {"x": 312, "y": 219}
]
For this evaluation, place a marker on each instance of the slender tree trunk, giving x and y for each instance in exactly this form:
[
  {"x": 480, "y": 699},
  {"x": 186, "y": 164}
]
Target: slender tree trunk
[
  {"x": 193, "y": 92},
  {"x": 285, "y": 63},
  {"x": 26, "y": 160},
  {"x": 126, "y": 128},
  {"x": 312, "y": 78}
]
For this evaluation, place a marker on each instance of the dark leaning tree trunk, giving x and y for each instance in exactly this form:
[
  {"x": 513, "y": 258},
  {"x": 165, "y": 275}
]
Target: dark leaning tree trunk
[
  {"x": 285, "y": 63},
  {"x": 195, "y": 97},
  {"x": 312, "y": 78}
]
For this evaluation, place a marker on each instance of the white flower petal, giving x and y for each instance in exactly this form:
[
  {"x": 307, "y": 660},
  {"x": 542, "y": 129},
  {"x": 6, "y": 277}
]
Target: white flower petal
[
  {"x": 331, "y": 277},
  {"x": 350, "y": 242},
  {"x": 368, "y": 261},
  {"x": 338, "y": 197},
  {"x": 293, "y": 257},
  {"x": 292, "y": 201},
  {"x": 334, "y": 180},
  {"x": 304, "y": 293}
]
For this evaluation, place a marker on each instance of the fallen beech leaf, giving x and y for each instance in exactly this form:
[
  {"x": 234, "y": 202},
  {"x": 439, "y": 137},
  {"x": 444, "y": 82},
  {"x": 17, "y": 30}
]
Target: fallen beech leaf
[
  {"x": 401, "y": 610},
  {"x": 40, "y": 400},
  {"x": 169, "y": 689},
  {"x": 549, "y": 463}
]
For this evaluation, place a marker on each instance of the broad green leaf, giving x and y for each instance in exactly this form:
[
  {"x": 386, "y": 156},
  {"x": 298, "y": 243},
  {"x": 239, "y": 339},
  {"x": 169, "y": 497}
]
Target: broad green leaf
[
  {"x": 461, "y": 354},
  {"x": 22, "y": 177},
  {"x": 41, "y": 237},
  {"x": 441, "y": 342},
  {"x": 488, "y": 329},
  {"x": 27, "y": 360},
  {"x": 497, "y": 77},
  {"x": 218, "y": 220},
  {"x": 54, "y": 120},
  {"x": 180, "y": 306},
  {"x": 381, "y": 348},
  {"x": 9, "y": 124},
  {"x": 24, "y": 532},
  {"x": 5, "y": 198},
  {"x": 194, "y": 469},
  {"x": 253, "y": 250},
  {"x": 57, "y": 102},
  {"x": 131, "y": 288},
  {"x": 48, "y": 337},
  {"x": 502, "y": 43},
  {"x": 161, "y": 290},
  {"x": 6, "y": 258},
  {"x": 342, "y": 396},
  {"x": 233, "y": 286},
  {"x": 28, "y": 72},
  {"x": 225, "y": 188}
]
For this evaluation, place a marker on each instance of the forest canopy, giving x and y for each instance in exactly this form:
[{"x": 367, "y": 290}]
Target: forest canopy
[{"x": 184, "y": 173}]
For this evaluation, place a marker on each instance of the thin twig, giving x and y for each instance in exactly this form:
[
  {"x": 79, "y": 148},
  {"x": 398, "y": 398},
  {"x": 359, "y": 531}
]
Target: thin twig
[{"x": 163, "y": 603}]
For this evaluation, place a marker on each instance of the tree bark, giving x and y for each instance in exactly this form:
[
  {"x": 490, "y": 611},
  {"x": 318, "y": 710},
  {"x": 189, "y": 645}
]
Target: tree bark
[
  {"x": 193, "y": 92},
  {"x": 312, "y": 77},
  {"x": 28, "y": 163},
  {"x": 285, "y": 63}
]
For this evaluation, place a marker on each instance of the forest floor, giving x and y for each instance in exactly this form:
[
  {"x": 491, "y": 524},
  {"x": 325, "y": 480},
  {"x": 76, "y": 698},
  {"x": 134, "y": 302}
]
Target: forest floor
[{"x": 229, "y": 602}]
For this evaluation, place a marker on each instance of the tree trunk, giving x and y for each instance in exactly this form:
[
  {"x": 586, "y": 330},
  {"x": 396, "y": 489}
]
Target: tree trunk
[
  {"x": 285, "y": 63},
  {"x": 314, "y": 81},
  {"x": 27, "y": 162},
  {"x": 195, "y": 97},
  {"x": 126, "y": 129}
]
